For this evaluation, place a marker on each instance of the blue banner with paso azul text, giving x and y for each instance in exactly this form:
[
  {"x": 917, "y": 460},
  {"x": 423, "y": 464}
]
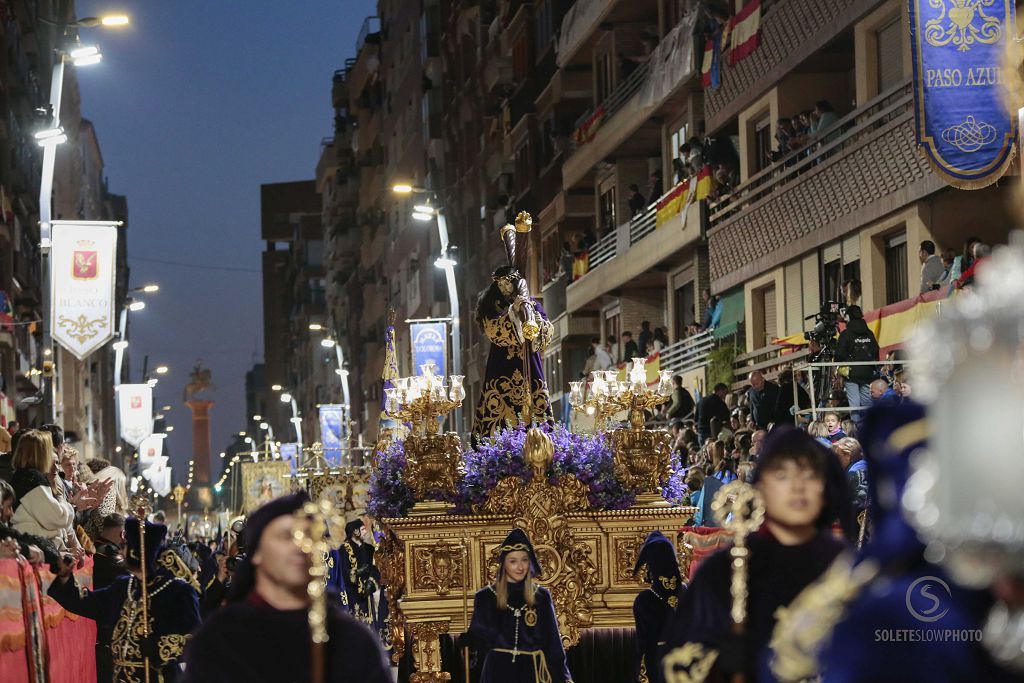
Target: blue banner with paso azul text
[
  {"x": 958, "y": 48},
  {"x": 428, "y": 346}
]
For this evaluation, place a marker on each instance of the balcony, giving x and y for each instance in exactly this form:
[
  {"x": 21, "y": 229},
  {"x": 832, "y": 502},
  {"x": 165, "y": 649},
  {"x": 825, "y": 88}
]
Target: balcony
[
  {"x": 687, "y": 354},
  {"x": 866, "y": 168},
  {"x": 792, "y": 32},
  {"x": 579, "y": 25},
  {"x": 630, "y": 253},
  {"x": 616, "y": 125}
]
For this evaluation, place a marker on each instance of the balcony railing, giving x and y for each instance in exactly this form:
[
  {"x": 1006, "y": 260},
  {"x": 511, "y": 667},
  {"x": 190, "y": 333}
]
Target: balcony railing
[
  {"x": 845, "y": 133},
  {"x": 604, "y": 250},
  {"x": 618, "y": 97},
  {"x": 864, "y": 157},
  {"x": 644, "y": 224},
  {"x": 687, "y": 354}
]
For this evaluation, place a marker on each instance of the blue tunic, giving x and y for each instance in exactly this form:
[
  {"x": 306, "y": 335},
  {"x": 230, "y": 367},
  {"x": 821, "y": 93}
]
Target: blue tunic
[
  {"x": 117, "y": 610},
  {"x": 533, "y": 634}
]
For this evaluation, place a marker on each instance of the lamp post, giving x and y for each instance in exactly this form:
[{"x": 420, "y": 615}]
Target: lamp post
[
  {"x": 339, "y": 354},
  {"x": 48, "y": 139},
  {"x": 445, "y": 261}
]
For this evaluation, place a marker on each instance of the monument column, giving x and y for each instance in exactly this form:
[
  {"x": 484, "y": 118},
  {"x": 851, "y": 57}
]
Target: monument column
[{"x": 196, "y": 393}]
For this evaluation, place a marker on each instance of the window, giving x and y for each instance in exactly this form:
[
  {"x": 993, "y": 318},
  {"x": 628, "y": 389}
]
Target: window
[
  {"x": 521, "y": 57},
  {"x": 603, "y": 73},
  {"x": 613, "y": 328},
  {"x": 762, "y": 143},
  {"x": 522, "y": 177},
  {"x": 896, "y": 275},
  {"x": 889, "y": 40},
  {"x": 553, "y": 371},
  {"x": 543, "y": 31},
  {"x": 607, "y": 217},
  {"x": 685, "y": 309},
  {"x": 680, "y": 136}
]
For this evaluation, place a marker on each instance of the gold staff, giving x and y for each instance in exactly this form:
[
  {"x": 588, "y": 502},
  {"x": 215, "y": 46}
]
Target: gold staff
[
  {"x": 313, "y": 523},
  {"x": 739, "y": 508},
  {"x": 142, "y": 508}
]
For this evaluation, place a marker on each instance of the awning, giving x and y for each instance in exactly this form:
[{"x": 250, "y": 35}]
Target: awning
[{"x": 733, "y": 312}]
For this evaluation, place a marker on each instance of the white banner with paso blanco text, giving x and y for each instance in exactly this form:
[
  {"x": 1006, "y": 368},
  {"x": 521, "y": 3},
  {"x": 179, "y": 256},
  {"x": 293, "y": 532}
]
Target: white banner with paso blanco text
[
  {"x": 135, "y": 405},
  {"x": 83, "y": 267}
]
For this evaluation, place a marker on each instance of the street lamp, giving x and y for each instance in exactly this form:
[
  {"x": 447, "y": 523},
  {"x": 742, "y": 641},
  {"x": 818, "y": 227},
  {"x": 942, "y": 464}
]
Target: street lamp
[
  {"x": 162, "y": 370},
  {"x": 147, "y": 289},
  {"x": 54, "y": 136},
  {"x": 424, "y": 211}
]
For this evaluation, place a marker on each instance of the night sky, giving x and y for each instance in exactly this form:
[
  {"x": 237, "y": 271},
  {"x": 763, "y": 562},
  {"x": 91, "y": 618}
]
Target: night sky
[{"x": 196, "y": 104}]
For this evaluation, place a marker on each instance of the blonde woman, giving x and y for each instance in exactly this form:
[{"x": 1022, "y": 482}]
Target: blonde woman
[
  {"x": 40, "y": 506},
  {"x": 514, "y": 625}
]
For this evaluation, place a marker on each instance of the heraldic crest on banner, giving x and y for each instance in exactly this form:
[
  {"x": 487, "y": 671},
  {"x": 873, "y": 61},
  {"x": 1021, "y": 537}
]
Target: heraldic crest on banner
[{"x": 962, "y": 24}]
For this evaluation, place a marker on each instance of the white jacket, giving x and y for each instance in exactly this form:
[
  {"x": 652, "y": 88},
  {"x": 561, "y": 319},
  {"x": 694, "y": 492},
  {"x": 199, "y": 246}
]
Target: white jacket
[{"x": 41, "y": 514}]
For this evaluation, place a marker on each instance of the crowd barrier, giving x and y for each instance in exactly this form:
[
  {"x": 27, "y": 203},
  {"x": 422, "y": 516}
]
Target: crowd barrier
[{"x": 40, "y": 642}]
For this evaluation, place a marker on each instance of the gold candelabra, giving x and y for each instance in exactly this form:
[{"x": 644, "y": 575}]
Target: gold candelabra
[
  {"x": 433, "y": 459},
  {"x": 178, "y": 496},
  {"x": 641, "y": 456}
]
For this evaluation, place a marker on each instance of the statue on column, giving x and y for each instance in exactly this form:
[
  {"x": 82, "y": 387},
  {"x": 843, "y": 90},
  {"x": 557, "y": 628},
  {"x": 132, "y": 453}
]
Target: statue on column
[{"x": 514, "y": 390}]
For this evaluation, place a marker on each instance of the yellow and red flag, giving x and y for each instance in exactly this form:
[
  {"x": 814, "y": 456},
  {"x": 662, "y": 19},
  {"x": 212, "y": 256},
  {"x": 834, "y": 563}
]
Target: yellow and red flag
[
  {"x": 745, "y": 32},
  {"x": 672, "y": 203},
  {"x": 705, "y": 183}
]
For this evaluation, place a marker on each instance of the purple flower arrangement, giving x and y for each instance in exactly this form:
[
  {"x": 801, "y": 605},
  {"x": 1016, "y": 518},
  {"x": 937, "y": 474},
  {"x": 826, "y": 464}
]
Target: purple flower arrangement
[
  {"x": 389, "y": 495},
  {"x": 586, "y": 456}
]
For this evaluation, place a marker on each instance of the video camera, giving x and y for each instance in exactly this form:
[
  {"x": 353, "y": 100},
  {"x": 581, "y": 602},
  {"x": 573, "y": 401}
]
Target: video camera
[{"x": 826, "y": 327}]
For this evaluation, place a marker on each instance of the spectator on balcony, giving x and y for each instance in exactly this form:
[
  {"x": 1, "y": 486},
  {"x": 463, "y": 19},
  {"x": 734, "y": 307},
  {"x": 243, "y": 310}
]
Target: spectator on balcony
[
  {"x": 712, "y": 310},
  {"x": 980, "y": 253},
  {"x": 637, "y": 203},
  {"x": 882, "y": 394},
  {"x": 784, "y": 132},
  {"x": 825, "y": 117},
  {"x": 679, "y": 169},
  {"x": 932, "y": 269},
  {"x": 588, "y": 240},
  {"x": 660, "y": 339},
  {"x": 764, "y": 399},
  {"x": 851, "y": 292},
  {"x": 611, "y": 345},
  {"x": 630, "y": 349},
  {"x": 857, "y": 344},
  {"x": 657, "y": 188},
  {"x": 963, "y": 262},
  {"x": 565, "y": 258},
  {"x": 711, "y": 407},
  {"x": 682, "y": 404},
  {"x": 645, "y": 335},
  {"x": 602, "y": 359},
  {"x": 948, "y": 259}
]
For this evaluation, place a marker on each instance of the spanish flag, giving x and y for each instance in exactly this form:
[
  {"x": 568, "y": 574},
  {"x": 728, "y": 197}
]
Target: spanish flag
[
  {"x": 671, "y": 204},
  {"x": 745, "y": 32},
  {"x": 588, "y": 129},
  {"x": 705, "y": 183}
]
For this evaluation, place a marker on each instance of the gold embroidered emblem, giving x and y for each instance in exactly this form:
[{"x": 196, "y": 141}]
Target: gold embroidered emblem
[
  {"x": 957, "y": 24},
  {"x": 531, "y": 616},
  {"x": 689, "y": 663}
]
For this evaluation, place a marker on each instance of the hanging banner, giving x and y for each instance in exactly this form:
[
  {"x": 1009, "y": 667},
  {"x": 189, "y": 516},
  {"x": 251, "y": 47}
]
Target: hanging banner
[
  {"x": 135, "y": 405},
  {"x": 83, "y": 271},
  {"x": 151, "y": 449},
  {"x": 428, "y": 345},
  {"x": 290, "y": 454},
  {"x": 332, "y": 418},
  {"x": 963, "y": 126}
]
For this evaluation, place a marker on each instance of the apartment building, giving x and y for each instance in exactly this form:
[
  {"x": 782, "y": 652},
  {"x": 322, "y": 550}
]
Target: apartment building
[
  {"x": 581, "y": 113},
  {"x": 84, "y": 400},
  {"x": 856, "y": 205},
  {"x": 388, "y": 103}
]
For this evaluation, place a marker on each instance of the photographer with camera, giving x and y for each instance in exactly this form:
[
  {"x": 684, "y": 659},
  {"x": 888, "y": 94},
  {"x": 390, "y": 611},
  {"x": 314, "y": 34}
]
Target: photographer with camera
[{"x": 857, "y": 344}]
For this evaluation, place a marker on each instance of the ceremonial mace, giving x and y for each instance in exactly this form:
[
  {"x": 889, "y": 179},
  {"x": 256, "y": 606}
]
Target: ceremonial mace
[
  {"x": 142, "y": 509},
  {"x": 313, "y": 523},
  {"x": 739, "y": 508}
]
